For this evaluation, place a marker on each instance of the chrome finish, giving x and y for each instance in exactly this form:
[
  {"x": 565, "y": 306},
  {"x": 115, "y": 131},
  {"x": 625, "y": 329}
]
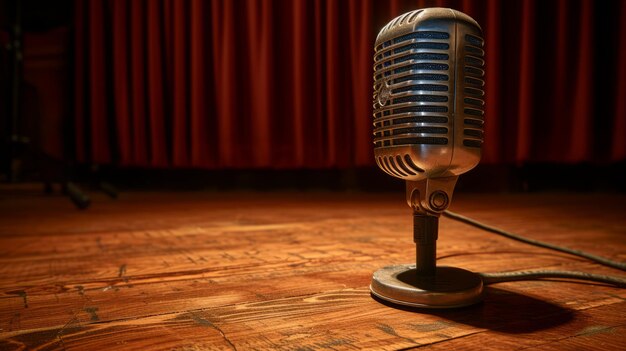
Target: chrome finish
[
  {"x": 452, "y": 287},
  {"x": 428, "y": 95},
  {"x": 421, "y": 195},
  {"x": 428, "y": 129}
]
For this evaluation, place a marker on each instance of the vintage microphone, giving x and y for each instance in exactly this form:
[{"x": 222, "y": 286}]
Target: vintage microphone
[{"x": 428, "y": 129}]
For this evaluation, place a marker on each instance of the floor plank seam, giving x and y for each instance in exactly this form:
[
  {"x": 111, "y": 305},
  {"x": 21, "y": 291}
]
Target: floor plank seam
[
  {"x": 192, "y": 311},
  {"x": 441, "y": 341},
  {"x": 203, "y": 321},
  {"x": 128, "y": 279},
  {"x": 571, "y": 337}
]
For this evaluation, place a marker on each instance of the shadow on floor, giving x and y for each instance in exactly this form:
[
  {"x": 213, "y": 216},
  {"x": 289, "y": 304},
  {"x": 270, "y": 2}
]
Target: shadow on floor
[{"x": 503, "y": 311}]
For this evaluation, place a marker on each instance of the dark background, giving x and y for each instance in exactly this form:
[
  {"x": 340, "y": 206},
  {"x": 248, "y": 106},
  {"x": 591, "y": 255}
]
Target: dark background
[{"x": 272, "y": 94}]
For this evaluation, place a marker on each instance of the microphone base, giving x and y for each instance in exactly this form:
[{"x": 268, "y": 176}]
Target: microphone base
[{"x": 450, "y": 287}]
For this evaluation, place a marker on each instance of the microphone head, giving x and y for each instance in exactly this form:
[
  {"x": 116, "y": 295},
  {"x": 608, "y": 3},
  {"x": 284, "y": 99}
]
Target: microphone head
[{"x": 428, "y": 94}]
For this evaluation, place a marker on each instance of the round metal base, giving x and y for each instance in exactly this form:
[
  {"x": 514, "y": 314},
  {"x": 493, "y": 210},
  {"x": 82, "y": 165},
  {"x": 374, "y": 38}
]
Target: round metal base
[{"x": 451, "y": 287}]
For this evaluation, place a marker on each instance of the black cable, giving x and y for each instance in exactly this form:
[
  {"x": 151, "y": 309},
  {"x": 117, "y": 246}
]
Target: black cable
[
  {"x": 598, "y": 259},
  {"x": 492, "y": 278},
  {"x": 500, "y": 277}
]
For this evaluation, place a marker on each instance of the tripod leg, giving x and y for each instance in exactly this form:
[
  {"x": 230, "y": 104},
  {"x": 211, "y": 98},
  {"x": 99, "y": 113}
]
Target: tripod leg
[
  {"x": 108, "y": 189},
  {"x": 80, "y": 199}
]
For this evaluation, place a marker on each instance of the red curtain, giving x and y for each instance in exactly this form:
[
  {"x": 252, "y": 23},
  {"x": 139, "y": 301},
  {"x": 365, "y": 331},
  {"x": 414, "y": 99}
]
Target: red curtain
[{"x": 287, "y": 84}]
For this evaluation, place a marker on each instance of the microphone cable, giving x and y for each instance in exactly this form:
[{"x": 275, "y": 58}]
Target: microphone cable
[
  {"x": 501, "y": 277},
  {"x": 492, "y": 278}
]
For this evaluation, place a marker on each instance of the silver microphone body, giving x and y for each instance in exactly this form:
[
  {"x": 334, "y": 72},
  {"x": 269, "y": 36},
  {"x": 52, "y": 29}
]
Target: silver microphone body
[
  {"x": 428, "y": 129},
  {"x": 429, "y": 100}
]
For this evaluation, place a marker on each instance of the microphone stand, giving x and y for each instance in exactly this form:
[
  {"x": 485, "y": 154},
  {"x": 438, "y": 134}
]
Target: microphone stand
[
  {"x": 428, "y": 198},
  {"x": 424, "y": 284},
  {"x": 425, "y": 234}
]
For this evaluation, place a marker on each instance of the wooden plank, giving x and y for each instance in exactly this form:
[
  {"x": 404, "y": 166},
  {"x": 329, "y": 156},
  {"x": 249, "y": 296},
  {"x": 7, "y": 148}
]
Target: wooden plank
[
  {"x": 187, "y": 332},
  {"x": 138, "y": 300},
  {"x": 585, "y": 330},
  {"x": 297, "y": 270},
  {"x": 188, "y": 249},
  {"x": 345, "y": 319},
  {"x": 199, "y": 271}
]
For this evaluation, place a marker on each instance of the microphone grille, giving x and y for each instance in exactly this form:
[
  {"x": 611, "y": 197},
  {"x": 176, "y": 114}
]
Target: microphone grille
[
  {"x": 473, "y": 90},
  {"x": 428, "y": 94},
  {"x": 411, "y": 84}
]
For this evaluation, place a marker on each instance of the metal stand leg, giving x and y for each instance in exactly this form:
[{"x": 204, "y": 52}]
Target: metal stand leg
[{"x": 425, "y": 233}]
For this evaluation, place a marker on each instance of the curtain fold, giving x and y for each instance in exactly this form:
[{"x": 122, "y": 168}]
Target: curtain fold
[
  {"x": 618, "y": 150},
  {"x": 493, "y": 106},
  {"x": 288, "y": 84}
]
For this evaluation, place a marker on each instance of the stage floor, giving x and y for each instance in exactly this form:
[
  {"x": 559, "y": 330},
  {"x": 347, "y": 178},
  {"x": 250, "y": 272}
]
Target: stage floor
[{"x": 290, "y": 271}]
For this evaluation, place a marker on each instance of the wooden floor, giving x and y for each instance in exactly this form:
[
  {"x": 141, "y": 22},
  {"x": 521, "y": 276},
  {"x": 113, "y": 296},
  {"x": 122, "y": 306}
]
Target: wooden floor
[{"x": 290, "y": 271}]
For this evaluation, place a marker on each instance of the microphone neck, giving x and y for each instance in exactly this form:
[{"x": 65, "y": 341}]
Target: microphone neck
[{"x": 430, "y": 196}]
